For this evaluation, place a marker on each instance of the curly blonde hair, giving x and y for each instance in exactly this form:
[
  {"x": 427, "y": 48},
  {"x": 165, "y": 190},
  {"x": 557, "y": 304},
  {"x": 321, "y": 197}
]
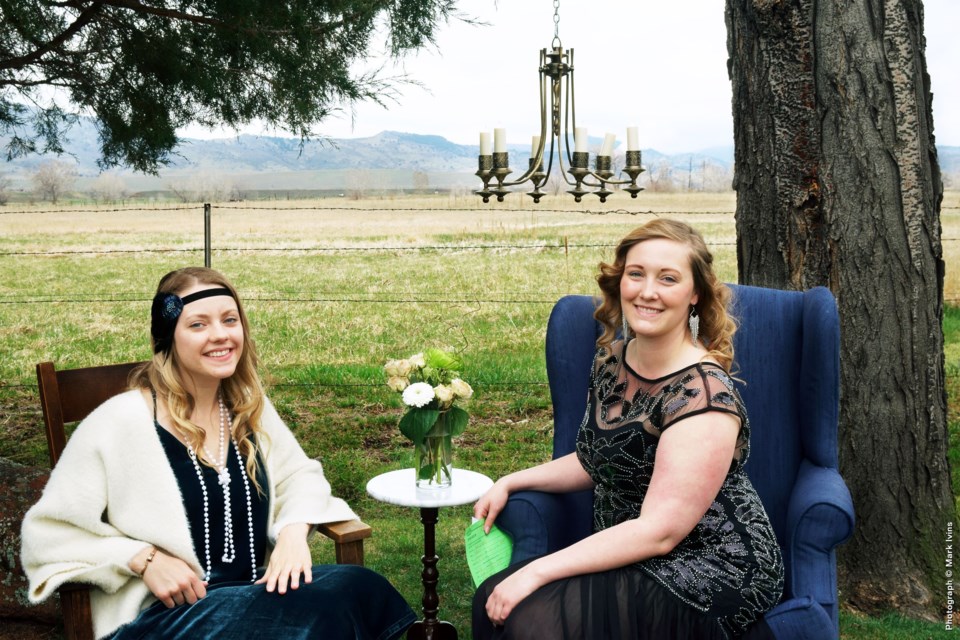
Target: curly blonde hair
[
  {"x": 717, "y": 326},
  {"x": 242, "y": 392}
]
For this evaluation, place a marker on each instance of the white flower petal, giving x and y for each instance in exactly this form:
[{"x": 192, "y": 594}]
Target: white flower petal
[{"x": 418, "y": 394}]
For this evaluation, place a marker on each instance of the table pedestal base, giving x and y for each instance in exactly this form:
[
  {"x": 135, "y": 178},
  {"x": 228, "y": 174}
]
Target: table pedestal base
[
  {"x": 439, "y": 630},
  {"x": 430, "y": 628}
]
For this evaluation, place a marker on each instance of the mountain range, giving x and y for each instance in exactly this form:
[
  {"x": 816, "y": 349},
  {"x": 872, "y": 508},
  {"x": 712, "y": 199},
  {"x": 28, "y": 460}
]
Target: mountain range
[
  {"x": 276, "y": 162},
  {"x": 263, "y": 162}
]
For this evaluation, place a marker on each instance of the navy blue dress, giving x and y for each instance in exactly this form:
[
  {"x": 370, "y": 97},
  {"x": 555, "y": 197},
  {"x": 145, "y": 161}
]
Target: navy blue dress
[{"x": 342, "y": 601}]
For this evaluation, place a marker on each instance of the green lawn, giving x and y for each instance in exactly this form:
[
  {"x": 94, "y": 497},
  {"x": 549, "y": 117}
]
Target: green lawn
[{"x": 332, "y": 295}]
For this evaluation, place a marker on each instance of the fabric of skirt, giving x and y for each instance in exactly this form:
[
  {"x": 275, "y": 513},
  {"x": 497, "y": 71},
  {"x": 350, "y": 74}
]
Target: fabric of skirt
[
  {"x": 342, "y": 601},
  {"x": 620, "y": 604}
]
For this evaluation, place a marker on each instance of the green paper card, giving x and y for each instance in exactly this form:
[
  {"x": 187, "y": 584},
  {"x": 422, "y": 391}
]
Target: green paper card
[{"x": 486, "y": 553}]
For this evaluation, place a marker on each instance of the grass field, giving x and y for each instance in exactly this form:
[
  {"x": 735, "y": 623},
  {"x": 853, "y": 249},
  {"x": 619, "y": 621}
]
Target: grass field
[{"x": 332, "y": 293}]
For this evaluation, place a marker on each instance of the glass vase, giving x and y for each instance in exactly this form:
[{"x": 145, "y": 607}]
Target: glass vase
[{"x": 434, "y": 456}]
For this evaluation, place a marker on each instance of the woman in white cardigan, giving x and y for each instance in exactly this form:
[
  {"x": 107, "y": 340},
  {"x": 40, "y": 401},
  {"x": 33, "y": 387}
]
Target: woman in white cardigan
[{"x": 188, "y": 502}]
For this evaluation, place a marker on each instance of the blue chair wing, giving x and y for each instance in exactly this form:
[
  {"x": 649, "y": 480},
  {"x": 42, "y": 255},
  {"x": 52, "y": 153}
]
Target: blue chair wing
[{"x": 787, "y": 363}]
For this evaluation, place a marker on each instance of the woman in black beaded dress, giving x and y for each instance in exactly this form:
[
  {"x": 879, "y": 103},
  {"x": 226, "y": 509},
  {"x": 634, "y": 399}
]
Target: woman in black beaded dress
[{"x": 682, "y": 546}]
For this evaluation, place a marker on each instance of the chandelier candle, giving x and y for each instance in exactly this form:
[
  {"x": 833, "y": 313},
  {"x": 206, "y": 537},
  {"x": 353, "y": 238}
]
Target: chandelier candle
[
  {"x": 484, "y": 143},
  {"x": 499, "y": 140},
  {"x": 608, "y": 141},
  {"x": 485, "y": 166},
  {"x": 580, "y": 140}
]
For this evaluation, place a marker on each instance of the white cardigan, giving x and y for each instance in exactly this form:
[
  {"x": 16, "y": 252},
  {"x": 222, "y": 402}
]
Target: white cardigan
[{"x": 113, "y": 493}]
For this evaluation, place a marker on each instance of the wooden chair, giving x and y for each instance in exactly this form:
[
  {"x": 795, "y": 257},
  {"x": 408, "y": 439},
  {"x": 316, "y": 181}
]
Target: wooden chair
[{"x": 68, "y": 396}]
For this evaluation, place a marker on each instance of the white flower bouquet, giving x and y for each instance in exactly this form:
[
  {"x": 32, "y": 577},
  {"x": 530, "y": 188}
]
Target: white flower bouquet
[{"x": 430, "y": 384}]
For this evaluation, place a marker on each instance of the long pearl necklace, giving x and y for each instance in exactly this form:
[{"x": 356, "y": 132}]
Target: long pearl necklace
[{"x": 229, "y": 551}]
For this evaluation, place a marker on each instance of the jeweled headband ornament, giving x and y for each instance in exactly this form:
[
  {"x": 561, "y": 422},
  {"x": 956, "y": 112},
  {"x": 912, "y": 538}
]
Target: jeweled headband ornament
[{"x": 166, "y": 310}]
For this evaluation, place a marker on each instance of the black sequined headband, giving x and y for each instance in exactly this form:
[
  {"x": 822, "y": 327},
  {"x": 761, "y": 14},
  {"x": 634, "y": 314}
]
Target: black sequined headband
[{"x": 166, "y": 310}]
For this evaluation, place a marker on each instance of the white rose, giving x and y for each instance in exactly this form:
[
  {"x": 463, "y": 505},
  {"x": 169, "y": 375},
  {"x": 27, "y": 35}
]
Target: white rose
[
  {"x": 461, "y": 389},
  {"x": 417, "y": 361},
  {"x": 392, "y": 368},
  {"x": 398, "y": 383},
  {"x": 444, "y": 394}
]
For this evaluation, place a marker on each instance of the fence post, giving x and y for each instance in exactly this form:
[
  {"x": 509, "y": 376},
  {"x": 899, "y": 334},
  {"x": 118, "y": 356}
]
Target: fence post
[{"x": 206, "y": 235}]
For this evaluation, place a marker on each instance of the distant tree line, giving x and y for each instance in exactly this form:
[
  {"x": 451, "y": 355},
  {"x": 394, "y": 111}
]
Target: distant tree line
[{"x": 53, "y": 180}]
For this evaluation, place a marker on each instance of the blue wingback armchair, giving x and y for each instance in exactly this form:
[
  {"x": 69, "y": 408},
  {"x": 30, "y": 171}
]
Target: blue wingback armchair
[{"x": 787, "y": 357}]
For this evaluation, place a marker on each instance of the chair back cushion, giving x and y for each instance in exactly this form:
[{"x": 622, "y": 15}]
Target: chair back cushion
[
  {"x": 787, "y": 358},
  {"x": 571, "y": 343}
]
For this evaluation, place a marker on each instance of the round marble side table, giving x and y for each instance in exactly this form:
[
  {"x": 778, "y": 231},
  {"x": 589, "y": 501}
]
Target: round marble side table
[{"x": 399, "y": 487}]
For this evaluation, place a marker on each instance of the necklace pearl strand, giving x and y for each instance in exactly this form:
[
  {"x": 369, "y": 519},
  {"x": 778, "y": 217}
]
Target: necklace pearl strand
[{"x": 229, "y": 551}]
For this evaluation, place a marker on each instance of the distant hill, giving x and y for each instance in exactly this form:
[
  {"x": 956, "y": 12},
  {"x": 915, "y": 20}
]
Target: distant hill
[
  {"x": 263, "y": 162},
  {"x": 274, "y": 162},
  {"x": 949, "y": 158}
]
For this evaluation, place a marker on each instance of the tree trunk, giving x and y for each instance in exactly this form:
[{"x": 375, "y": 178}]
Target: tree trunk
[
  {"x": 20, "y": 488},
  {"x": 838, "y": 184}
]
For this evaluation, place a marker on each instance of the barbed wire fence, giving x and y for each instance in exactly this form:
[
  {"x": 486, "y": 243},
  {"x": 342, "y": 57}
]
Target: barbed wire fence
[
  {"x": 321, "y": 297},
  {"x": 208, "y": 248}
]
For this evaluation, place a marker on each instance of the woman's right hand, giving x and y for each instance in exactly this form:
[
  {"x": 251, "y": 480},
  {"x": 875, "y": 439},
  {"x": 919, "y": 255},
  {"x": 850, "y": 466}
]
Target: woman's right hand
[
  {"x": 490, "y": 504},
  {"x": 172, "y": 581}
]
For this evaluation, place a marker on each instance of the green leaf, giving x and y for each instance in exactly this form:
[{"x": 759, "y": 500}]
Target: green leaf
[
  {"x": 440, "y": 359},
  {"x": 426, "y": 471},
  {"x": 417, "y": 422},
  {"x": 457, "y": 420}
]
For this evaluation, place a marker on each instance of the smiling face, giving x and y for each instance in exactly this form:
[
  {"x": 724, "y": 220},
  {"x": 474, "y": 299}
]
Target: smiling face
[
  {"x": 208, "y": 339},
  {"x": 657, "y": 288}
]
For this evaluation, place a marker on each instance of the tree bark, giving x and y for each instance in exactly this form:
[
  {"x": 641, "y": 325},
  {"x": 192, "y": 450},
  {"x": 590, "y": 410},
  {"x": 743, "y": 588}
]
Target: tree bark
[
  {"x": 838, "y": 185},
  {"x": 20, "y": 488}
]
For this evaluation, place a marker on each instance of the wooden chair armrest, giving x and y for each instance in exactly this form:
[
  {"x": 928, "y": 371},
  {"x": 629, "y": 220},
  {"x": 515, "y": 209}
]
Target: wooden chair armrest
[
  {"x": 348, "y": 537},
  {"x": 345, "y": 530}
]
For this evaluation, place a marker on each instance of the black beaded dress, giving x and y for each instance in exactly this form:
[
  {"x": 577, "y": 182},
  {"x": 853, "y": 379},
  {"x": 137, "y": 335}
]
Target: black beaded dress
[{"x": 716, "y": 583}]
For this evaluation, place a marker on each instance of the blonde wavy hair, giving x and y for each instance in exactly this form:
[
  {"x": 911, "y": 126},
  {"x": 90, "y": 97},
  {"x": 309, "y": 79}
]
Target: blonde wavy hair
[
  {"x": 717, "y": 326},
  {"x": 242, "y": 392}
]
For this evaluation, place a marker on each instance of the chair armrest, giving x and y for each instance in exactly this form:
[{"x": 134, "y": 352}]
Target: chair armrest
[
  {"x": 541, "y": 522},
  {"x": 348, "y": 537},
  {"x": 801, "y": 619},
  {"x": 345, "y": 530},
  {"x": 819, "y": 517}
]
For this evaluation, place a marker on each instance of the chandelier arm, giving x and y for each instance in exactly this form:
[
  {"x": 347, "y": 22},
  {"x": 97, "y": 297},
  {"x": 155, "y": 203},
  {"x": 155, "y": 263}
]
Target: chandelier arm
[
  {"x": 538, "y": 157},
  {"x": 549, "y": 162},
  {"x": 543, "y": 108},
  {"x": 563, "y": 169},
  {"x": 569, "y": 111}
]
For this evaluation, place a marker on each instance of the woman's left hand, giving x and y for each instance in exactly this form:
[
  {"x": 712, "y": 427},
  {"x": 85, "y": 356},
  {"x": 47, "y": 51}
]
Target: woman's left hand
[
  {"x": 289, "y": 559},
  {"x": 511, "y": 592}
]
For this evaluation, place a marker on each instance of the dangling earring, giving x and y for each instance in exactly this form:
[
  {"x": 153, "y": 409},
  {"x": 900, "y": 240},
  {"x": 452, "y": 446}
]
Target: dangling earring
[
  {"x": 626, "y": 326},
  {"x": 694, "y": 322}
]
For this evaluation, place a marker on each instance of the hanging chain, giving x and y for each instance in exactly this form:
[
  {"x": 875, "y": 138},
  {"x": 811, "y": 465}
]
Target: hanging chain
[{"x": 556, "y": 24}]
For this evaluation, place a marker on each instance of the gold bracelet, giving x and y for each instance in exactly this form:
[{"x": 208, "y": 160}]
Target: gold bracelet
[{"x": 147, "y": 562}]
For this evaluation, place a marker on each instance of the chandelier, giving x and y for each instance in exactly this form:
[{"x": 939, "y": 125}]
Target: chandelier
[{"x": 556, "y": 66}]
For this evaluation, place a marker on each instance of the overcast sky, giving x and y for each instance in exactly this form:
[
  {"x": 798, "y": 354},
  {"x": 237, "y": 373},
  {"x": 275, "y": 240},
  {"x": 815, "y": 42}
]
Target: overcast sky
[{"x": 660, "y": 66}]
